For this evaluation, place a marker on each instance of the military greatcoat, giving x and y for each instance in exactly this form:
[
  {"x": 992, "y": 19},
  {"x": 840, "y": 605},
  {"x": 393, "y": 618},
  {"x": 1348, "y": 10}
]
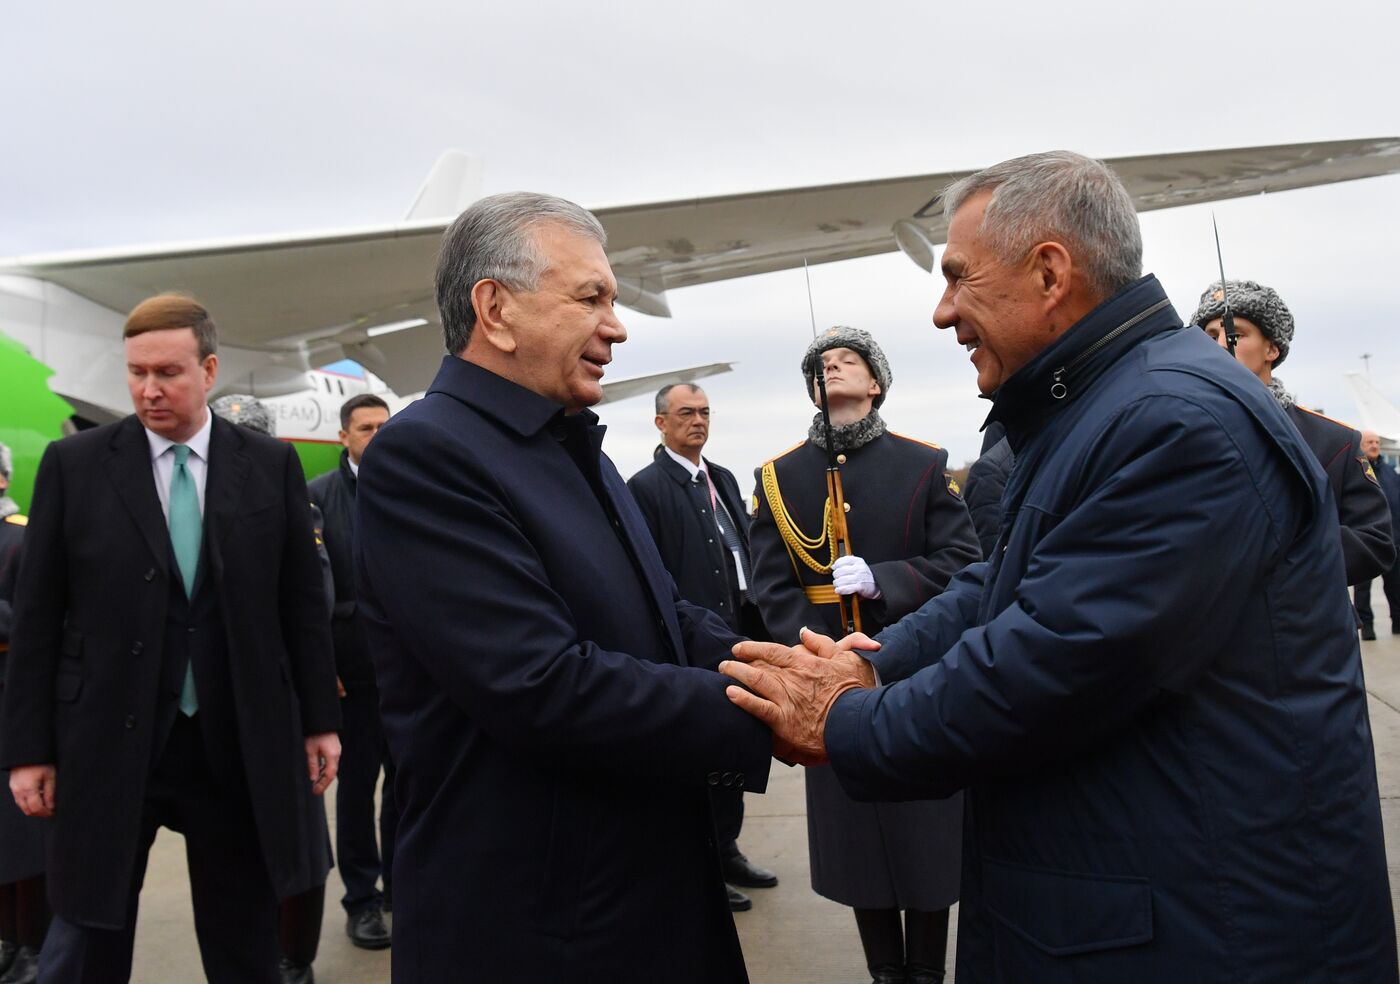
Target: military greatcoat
[{"x": 907, "y": 520}]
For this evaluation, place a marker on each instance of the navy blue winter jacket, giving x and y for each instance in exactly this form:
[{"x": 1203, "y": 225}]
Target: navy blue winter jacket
[{"x": 1152, "y": 689}]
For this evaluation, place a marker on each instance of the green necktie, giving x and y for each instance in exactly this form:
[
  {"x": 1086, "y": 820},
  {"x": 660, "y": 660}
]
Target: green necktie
[{"x": 186, "y": 532}]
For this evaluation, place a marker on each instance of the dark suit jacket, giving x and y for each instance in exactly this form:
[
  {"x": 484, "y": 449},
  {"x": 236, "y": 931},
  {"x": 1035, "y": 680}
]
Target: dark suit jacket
[
  {"x": 334, "y": 493},
  {"x": 1362, "y": 508},
  {"x": 545, "y": 703},
  {"x": 91, "y": 687},
  {"x": 677, "y": 511}
]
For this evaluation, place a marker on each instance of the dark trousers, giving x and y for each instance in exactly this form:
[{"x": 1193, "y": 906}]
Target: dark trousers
[
  {"x": 363, "y": 753},
  {"x": 1390, "y": 581},
  {"x": 235, "y": 907},
  {"x": 727, "y": 805}
]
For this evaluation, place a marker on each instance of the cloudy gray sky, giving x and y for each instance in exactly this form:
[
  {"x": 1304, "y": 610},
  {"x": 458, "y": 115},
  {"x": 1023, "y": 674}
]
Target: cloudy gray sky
[{"x": 151, "y": 120}]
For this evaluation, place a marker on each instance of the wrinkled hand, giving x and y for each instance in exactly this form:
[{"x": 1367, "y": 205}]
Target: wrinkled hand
[
  {"x": 322, "y": 760},
  {"x": 793, "y": 690},
  {"x": 852, "y": 575},
  {"x": 33, "y": 787}
]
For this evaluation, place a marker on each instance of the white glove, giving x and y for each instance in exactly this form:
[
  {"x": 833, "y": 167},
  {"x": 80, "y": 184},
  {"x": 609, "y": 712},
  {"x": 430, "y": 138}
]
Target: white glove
[{"x": 851, "y": 575}]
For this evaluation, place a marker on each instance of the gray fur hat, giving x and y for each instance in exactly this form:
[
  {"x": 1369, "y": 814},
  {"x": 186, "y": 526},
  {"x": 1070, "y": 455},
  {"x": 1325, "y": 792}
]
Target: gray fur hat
[
  {"x": 1258, "y": 303},
  {"x": 857, "y": 340},
  {"x": 247, "y": 411},
  {"x": 7, "y": 462}
]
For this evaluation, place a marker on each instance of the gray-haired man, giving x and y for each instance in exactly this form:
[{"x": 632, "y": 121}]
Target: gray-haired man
[
  {"x": 550, "y": 703},
  {"x": 1151, "y": 692}
]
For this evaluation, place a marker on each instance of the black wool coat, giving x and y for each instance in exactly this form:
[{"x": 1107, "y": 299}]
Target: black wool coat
[
  {"x": 21, "y": 837},
  {"x": 89, "y": 690},
  {"x": 677, "y": 511}
]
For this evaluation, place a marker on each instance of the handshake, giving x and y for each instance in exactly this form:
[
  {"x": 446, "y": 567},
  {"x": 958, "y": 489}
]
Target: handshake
[{"x": 792, "y": 689}]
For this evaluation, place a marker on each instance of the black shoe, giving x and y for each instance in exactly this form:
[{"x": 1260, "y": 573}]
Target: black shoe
[
  {"x": 885, "y": 974},
  {"x": 7, "y": 954},
  {"x": 918, "y": 974},
  {"x": 1368, "y": 633},
  {"x": 295, "y": 973},
  {"x": 366, "y": 929},
  {"x": 738, "y": 901},
  {"x": 1395, "y": 628},
  {"x": 24, "y": 969},
  {"x": 739, "y": 870}
]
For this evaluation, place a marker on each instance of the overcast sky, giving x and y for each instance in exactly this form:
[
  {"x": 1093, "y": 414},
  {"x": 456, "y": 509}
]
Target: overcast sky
[{"x": 148, "y": 121}]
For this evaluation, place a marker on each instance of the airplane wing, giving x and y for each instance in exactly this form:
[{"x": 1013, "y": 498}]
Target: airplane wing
[
  {"x": 622, "y": 389},
  {"x": 1377, "y": 413},
  {"x": 317, "y": 294}
]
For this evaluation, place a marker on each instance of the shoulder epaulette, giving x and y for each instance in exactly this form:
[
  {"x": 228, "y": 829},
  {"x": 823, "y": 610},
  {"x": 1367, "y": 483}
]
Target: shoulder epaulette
[
  {"x": 906, "y": 437},
  {"x": 784, "y": 454},
  {"x": 1323, "y": 416},
  {"x": 17, "y": 520}
]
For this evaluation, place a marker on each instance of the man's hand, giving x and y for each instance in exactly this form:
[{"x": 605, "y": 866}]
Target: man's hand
[
  {"x": 851, "y": 575},
  {"x": 33, "y": 787},
  {"x": 322, "y": 760},
  {"x": 793, "y": 690}
]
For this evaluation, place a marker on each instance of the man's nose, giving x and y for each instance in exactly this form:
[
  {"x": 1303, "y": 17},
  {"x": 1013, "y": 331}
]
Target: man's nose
[
  {"x": 1222, "y": 340},
  {"x": 151, "y": 389},
  {"x": 944, "y": 314},
  {"x": 612, "y": 330}
]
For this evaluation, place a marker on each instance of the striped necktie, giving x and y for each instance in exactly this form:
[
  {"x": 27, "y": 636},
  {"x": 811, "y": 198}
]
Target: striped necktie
[
  {"x": 727, "y": 532},
  {"x": 186, "y": 533}
]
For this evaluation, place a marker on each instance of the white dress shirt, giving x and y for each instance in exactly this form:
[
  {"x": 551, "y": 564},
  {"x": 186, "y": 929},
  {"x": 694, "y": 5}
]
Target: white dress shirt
[
  {"x": 163, "y": 462},
  {"x": 695, "y": 471}
]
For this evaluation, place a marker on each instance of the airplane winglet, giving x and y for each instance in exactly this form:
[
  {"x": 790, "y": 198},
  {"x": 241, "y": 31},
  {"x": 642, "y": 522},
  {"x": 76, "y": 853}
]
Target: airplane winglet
[{"x": 452, "y": 185}]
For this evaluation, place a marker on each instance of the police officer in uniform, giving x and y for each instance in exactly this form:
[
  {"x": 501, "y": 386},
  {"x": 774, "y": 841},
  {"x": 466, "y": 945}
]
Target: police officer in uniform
[
  {"x": 1264, "y": 330},
  {"x": 24, "y": 914},
  {"x": 909, "y": 532}
]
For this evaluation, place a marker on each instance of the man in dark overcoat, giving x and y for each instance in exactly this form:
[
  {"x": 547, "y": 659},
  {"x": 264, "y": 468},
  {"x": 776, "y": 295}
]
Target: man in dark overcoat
[
  {"x": 170, "y": 665},
  {"x": 909, "y": 533},
  {"x": 697, "y": 518},
  {"x": 1152, "y": 689},
  {"x": 362, "y": 858},
  {"x": 1390, "y": 577},
  {"x": 1264, "y": 333},
  {"x": 551, "y": 704}
]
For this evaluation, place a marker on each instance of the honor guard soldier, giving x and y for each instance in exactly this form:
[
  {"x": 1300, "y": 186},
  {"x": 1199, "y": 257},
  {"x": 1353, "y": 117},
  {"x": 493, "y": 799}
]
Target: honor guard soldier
[
  {"x": 910, "y": 532},
  {"x": 1263, "y": 333}
]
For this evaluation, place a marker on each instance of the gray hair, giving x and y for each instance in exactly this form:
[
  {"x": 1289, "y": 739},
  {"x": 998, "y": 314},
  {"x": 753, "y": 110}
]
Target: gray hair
[
  {"x": 7, "y": 462},
  {"x": 495, "y": 239},
  {"x": 663, "y": 396},
  {"x": 1064, "y": 197}
]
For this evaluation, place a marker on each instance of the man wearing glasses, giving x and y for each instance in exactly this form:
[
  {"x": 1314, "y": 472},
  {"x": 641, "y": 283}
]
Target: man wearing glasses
[{"x": 696, "y": 515}]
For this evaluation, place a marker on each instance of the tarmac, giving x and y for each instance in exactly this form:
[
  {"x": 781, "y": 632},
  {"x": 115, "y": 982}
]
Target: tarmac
[{"x": 791, "y": 936}]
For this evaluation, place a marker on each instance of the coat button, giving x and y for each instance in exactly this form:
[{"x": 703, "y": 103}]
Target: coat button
[
  {"x": 151, "y": 574},
  {"x": 130, "y": 721},
  {"x": 846, "y": 506},
  {"x": 840, "y": 459},
  {"x": 739, "y": 779},
  {"x": 727, "y": 779},
  {"x": 137, "y": 647},
  {"x": 713, "y": 778}
]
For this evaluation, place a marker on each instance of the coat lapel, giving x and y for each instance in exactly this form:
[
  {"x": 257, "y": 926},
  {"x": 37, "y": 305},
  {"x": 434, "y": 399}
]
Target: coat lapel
[{"x": 128, "y": 465}]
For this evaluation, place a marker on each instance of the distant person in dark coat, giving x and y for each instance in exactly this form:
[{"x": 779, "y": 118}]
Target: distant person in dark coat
[
  {"x": 171, "y": 665},
  {"x": 24, "y": 913},
  {"x": 697, "y": 518},
  {"x": 1151, "y": 691},
  {"x": 363, "y": 862},
  {"x": 1390, "y": 577},
  {"x": 986, "y": 483},
  {"x": 551, "y": 704},
  {"x": 299, "y": 922},
  {"x": 910, "y": 532},
  {"x": 1264, "y": 330}
]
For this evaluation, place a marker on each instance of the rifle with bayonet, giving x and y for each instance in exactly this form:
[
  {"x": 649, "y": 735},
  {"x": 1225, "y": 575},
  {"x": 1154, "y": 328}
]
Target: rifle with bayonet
[{"x": 1227, "y": 318}]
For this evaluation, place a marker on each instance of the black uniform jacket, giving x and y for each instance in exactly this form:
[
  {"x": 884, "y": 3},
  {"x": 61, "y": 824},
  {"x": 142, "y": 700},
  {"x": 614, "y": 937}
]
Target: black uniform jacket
[
  {"x": 913, "y": 543},
  {"x": 677, "y": 511},
  {"x": 1367, "y": 547},
  {"x": 549, "y": 701},
  {"x": 334, "y": 494},
  {"x": 88, "y": 687}
]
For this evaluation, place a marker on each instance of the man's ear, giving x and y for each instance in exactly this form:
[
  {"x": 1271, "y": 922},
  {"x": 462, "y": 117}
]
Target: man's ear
[
  {"x": 1051, "y": 268},
  {"x": 1271, "y": 354},
  {"x": 660, "y": 422},
  {"x": 210, "y": 368},
  {"x": 492, "y": 302}
]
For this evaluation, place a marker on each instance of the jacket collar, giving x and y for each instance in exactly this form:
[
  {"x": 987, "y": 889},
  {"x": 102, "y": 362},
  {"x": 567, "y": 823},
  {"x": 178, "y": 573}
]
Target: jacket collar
[
  {"x": 511, "y": 404},
  {"x": 1069, "y": 366}
]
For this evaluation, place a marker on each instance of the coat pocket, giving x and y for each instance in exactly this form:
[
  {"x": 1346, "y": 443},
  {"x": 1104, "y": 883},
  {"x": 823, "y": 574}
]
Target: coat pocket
[
  {"x": 1064, "y": 913},
  {"x": 68, "y": 681}
]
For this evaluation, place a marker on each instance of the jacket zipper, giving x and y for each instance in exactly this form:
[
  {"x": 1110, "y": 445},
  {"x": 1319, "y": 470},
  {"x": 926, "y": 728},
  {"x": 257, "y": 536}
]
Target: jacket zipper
[{"x": 1057, "y": 387}]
